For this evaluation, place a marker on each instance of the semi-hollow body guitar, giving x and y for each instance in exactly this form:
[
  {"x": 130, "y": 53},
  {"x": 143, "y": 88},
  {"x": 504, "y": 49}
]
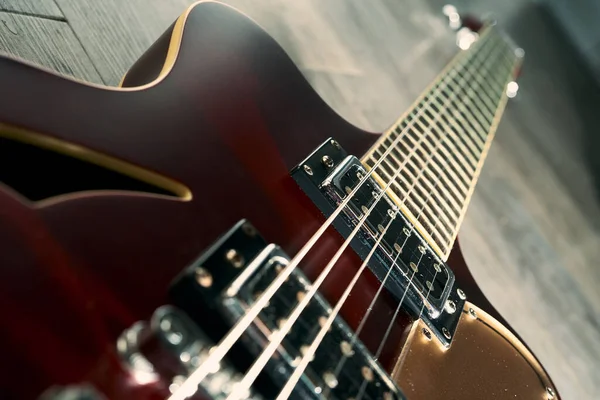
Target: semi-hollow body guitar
[{"x": 211, "y": 229}]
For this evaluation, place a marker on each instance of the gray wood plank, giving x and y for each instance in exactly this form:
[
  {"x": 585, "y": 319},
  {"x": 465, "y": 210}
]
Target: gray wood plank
[
  {"x": 41, "y": 8},
  {"x": 48, "y": 43},
  {"x": 532, "y": 233},
  {"x": 115, "y": 33}
]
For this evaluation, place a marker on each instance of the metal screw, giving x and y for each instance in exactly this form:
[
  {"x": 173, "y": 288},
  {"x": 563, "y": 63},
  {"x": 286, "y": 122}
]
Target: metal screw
[
  {"x": 426, "y": 333},
  {"x": 472, "y": 312},
  {"x": 330, "y": 379},
  {"x": 335, "y": 144},
  {"x": 429, "y": 285},
  {"x": 308, "y": 169},
  {"x": 421, "y": 249},
  {"x": 392, "y": 214},
  {"x": 406, "y": 231},
  {"x": 437, "y": 268},
  {"x": 550, "y": 393},
  {"x": 413, "y": 266},
  {"x": 249, "y": 229},
  {"x": 450, "y": 307},
  {"x": 327, "y": 161},
  {"x": 364, "y": 209},
  {"x": 461, "y": 294},
  {"x": 446, "y": 333},
  {"x": 348, "y": 189},
  {"x": 203, "y": 277},
  {"x": 359, "y": 175},
  {"x": 235, "y": 258},
  {"x": 380, "y": 228}
]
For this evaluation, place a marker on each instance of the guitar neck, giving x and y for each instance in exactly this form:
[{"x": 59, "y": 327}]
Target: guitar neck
[{"x": 433, "y": 155}]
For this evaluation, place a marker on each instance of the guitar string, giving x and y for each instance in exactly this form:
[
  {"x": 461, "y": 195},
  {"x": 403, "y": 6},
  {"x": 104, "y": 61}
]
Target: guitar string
[
  {"x": 277, "y": 337},
  {"x": 221, "y": 349},
  {"x": 394, "y": 263},
  {"x": 393, "y": 319},
  {"x": 287, "y": 389}
]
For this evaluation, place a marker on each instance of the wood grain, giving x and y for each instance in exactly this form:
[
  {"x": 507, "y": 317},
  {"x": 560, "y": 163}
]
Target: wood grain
[
  {"x": 532, "y": 231},
  {"x": 39, "y": 8},
  {"x": 116, "y": 33},
  {"x": 48, "y": 43}
]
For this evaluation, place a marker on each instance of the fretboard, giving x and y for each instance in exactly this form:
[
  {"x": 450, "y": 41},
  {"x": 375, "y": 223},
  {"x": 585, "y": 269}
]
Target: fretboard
[{"x": 434, "y": 154}]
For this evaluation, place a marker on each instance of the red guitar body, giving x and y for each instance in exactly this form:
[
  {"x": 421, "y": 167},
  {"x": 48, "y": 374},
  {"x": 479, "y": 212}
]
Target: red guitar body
[{"x": 223, "y": 127}]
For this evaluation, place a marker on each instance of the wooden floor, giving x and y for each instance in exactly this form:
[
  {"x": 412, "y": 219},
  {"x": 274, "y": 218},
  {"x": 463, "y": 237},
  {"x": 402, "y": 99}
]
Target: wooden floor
[{"x": 532, "y": 233}]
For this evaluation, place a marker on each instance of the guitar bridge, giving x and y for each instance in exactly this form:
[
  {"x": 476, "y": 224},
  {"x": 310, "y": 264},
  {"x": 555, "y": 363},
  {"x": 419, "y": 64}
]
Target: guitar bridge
[{"x": 418, "y": 276}]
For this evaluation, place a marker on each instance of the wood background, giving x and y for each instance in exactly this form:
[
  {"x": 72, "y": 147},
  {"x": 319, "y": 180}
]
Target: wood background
[{"x": 532, "y": 233}]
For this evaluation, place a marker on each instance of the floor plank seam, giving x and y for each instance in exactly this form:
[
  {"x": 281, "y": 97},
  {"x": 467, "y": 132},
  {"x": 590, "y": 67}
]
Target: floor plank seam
[
  {"x": 82, "y": 45},
  {"x": 33, "y": 15}
]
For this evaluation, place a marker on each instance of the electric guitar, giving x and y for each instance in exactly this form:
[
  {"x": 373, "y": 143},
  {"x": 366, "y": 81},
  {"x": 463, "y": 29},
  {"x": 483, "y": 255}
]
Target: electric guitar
[{"x": 211, "y": 229}]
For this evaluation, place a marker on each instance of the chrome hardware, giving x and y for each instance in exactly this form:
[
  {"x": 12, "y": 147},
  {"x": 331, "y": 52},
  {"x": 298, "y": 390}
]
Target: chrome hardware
[
  {"x": 327, "y": 161},
  {"x": 461, "y": 294},
  {"x": 416, "y": 269},
  {"x": 550, "y": 393},
  {"x": 450, "y": 307},
  {"x": 233, "y": 291},
  {"x": 446, "y": 333},
  {"x": 308, "y": 170},
  {"x": 426, "y": 333},
  {"x": 472, "y": 312}
]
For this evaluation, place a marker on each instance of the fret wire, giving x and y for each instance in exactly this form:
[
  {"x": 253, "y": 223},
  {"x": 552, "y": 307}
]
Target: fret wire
[
  {"x": 470, "y": 101},
  {"x": 467, "y": 126},
  {"x": 453, "y": 198},
  {"x": 491, "y": 135},
  {"x": 412, "y": 162},
  {"x": 452, "y": 154},
  {"x": 450, "y": 181},
  {"x": 425, "y": 134},
  {"x": 440, "y": 216},
  {"x": 468, "y": 179},
  {"x": 451, "y": 212},
  {"x": 460, "y": 127},
  {"x": 461, "y": 151},
  {"x": 455, "y": 123},
  {"x": 468, "y": 153},
  {"x": 451, "y": 124},
  {"x": 456, "y": 172},
  {"x": 478, "y": 171}
]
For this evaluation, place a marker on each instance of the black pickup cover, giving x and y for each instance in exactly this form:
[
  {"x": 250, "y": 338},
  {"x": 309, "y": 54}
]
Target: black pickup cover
[{"x": 334, "y": 373}]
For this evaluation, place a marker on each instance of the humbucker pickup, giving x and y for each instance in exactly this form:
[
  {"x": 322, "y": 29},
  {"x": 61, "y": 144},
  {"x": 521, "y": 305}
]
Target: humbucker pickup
[
  {"x": 227, "y": 279},
  {"x": 418, "y": 276}
]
